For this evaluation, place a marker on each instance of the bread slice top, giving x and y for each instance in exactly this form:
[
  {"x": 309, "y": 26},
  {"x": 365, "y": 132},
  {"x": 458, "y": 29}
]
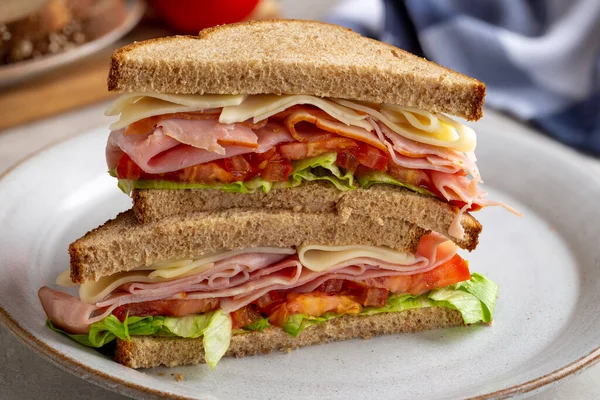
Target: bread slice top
[
  {"x": 123, "y": 244},
  {"x": 377, "y": 202},
  {"x": 293, "y": 57}
]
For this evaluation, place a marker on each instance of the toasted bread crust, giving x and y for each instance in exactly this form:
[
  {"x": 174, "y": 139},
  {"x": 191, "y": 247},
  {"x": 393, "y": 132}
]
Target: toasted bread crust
[
  {"x": 147, "y": 351},
  {"x": 293, "y": 57},
  {"x": 379, "y": 201},
  {"x": 123, "y": 244}
]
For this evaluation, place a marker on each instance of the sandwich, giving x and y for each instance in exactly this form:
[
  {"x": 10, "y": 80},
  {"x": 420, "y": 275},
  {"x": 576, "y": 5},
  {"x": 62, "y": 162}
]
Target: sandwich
[{"x": 293, "y": 184}]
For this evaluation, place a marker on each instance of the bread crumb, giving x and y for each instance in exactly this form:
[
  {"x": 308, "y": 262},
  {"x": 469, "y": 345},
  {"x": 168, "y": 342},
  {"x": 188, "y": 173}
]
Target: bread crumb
[
  {"x": 161, "y": 373},
  {"x": 179, "y": 377}
]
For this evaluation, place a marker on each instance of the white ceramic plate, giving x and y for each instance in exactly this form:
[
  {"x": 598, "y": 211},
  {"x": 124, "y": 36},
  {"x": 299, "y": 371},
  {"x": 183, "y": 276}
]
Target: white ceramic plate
[
  {"x": 12, "y": 73},
  {"x": 547, "y": 265}
]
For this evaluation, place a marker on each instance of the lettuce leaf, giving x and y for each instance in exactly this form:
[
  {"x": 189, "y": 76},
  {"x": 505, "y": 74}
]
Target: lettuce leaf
[
  {"x": 320, "y": 168},
  {"x": 259, "y": 325},
  {"x": 127, "y": 185},
  {"x": 474, "y": 299},
  {"x": 296, "y": 323},
  {"x": 215, "y": 326},
  {"x": 190, "y": 326},
  {"x": 110, "y": 328},
  {"x": 217, "y": 337},
  {"x": 378, "y": 177}
]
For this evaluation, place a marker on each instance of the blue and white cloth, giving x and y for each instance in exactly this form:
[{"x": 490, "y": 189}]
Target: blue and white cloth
[{"x": 540, "y": 59}]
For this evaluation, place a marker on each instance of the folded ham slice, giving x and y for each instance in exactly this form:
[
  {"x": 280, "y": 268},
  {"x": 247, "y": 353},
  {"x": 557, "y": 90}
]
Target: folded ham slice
[
  {"x": 169, "y": 148},
  {"x": 209, "y": 134},
  {"x": 238, "y": 281},
  {"x": 65, "y": 311}
]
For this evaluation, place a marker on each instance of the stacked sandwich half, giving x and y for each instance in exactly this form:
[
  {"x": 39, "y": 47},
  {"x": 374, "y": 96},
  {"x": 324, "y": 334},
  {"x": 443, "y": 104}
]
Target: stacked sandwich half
[{"x": 293, "y": 183}]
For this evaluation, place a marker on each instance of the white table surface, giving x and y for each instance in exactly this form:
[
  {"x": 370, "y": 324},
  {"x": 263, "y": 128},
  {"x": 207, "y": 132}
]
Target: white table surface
[{"x": 25, "y": 375}]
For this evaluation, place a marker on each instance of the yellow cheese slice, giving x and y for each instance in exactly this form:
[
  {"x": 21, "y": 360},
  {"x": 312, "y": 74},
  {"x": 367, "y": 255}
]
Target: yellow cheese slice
[
  {"x": 451, "y": 135},
  {"x": 322, "y": 258}
]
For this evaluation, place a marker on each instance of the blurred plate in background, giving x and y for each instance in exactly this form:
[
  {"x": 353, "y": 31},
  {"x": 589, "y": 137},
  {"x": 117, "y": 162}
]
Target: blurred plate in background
[{"x": 14, "y": 73}]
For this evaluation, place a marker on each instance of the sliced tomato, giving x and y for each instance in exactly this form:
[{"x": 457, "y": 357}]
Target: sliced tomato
[
  {"x": 269, "y": 302},
  {"x": 371, "y": 157},
  {"x": 366, "y": 296},
  {"x": 238, "y": 167},
  {"x": 259, "y": 160},
  {"x": 245, "y": 316},
  {"x": 313, "y": 304},
  {"x": 453, "y": 271},
  {"x": 415, "y": 177},
  {"x": 302, "y": 150},
  {"x": 128, "y": 169},
  {"x": 174, "y": 308},
  {"x": 276, "y": 171},
  {"x": 209, "y": 173},
  {"x": 348, "y": 161}
]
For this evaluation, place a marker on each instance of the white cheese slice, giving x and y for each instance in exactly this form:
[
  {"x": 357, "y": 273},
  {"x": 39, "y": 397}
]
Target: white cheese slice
[
  {"x": 260, "y": 107},
  {"x": 64, "y": 279},
  {"x": 322, "y": 258},
  {"x": 409, "y": 122},
  {"x": 93, "y": 292},
  {"x": 135, "y": 106},
  {"x": 314, "y": 257}
]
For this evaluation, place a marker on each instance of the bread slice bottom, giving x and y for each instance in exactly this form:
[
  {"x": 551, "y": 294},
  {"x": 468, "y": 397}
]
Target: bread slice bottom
[{"x": 148, "y": 351}]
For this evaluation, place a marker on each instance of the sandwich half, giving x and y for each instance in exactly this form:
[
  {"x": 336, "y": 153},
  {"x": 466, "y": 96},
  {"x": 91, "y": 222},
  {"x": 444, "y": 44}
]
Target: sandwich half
[
  {"x": 195, "y": 288},
  {"x": 293, "y": 183},
  {"x": 266, "y": 106}
]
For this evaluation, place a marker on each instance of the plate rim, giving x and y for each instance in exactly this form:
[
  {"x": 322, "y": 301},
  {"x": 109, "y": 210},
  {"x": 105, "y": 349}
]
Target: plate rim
[{"x": 125, "y": 387}]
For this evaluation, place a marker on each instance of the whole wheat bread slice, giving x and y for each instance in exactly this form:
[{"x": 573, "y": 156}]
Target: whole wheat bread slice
[
  {"x": 293, "y": 57},
  {"x": 123, "y": 244},
  {"x": 148, "y": 351},
  {"x": 377, "y": 202}
]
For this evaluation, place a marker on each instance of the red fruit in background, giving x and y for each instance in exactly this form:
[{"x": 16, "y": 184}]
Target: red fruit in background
[{"x": 191, "y": 16}]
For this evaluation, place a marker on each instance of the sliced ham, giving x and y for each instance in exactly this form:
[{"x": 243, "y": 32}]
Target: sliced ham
[
  {"x": 159, "y": 153},
  {"x": 434, "y": 154},
  {"x": 238, "y": 281},
  {"x": 231, "y": 272},
  {"x": 433, "y": 250},
  {"x": 209, "y": 134},
  {"x": 325, "y": 127},
  {"x": 65, "y": 311}
]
